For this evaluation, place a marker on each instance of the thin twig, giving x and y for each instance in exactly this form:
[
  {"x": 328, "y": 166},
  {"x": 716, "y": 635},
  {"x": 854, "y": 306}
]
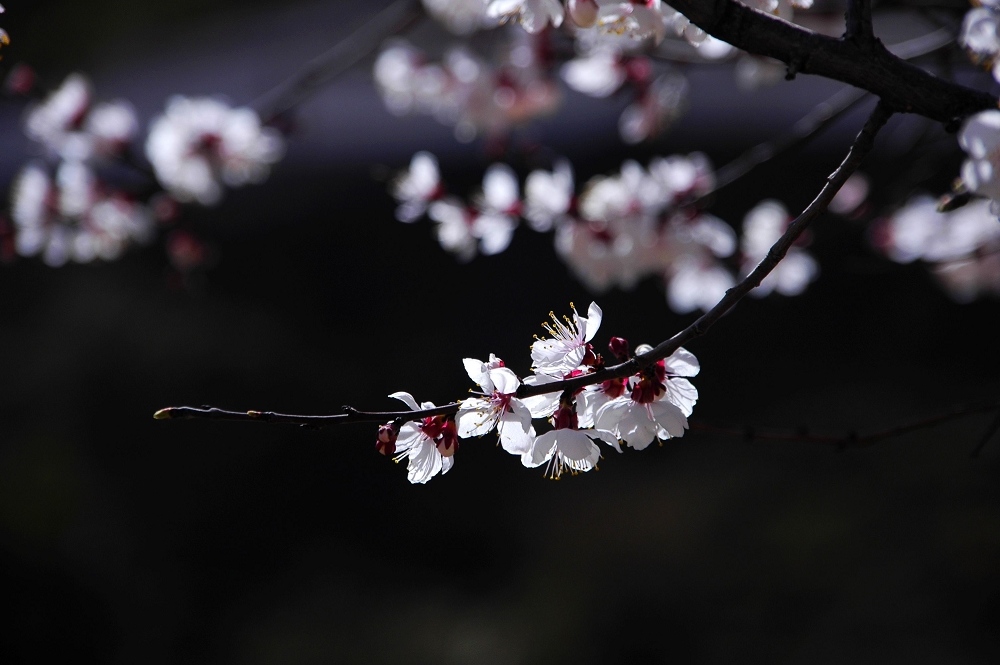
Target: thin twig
[
  {"x": 859, "y": 149},
  {"x": 339, "y": 58},
  {"x": 819, "y": 118},
  {"x": 853, "y": 439}
]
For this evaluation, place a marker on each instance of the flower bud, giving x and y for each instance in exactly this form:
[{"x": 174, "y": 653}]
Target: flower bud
[
  {"x": 583, "y": 12},
  {"x": 643, "y": 348},
  {"x": 447, "y": 444},
  {"x": 619, "y": 348},
  {"x": 386, "y": 443}
]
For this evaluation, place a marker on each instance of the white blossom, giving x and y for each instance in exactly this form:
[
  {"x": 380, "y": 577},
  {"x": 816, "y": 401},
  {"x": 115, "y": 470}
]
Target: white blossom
[
  {"x": 420, "y": 445},
  {"x": 564, "y": 350},
  {"x": 199, "y": 145},
  {"x": 498, "y": 408}
]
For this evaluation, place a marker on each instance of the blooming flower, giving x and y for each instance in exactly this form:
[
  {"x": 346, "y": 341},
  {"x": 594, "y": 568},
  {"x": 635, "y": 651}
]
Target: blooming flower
[
  {"x": 568, "y": 343},
  {"x": 498, "y": 407},
  {"x": 566, "y": 447},
  {"x": 198, "y": 145},
  {"x": 655, "y": 402},
  {"x": 427, "y": 446}
]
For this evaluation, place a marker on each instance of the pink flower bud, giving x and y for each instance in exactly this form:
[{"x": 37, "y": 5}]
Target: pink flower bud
[
  {"x": 386, "y": 443},
  {"x": 619, "y": 348}
]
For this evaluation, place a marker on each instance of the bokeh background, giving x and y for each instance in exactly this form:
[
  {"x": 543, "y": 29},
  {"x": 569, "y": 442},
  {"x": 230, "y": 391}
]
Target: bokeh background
[{"x": 129, "y": 540}]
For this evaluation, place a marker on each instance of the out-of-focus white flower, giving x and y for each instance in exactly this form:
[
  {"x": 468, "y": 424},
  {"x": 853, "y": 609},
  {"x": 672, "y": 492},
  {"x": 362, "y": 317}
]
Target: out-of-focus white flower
[
  {"x": 69, "y": 125},
  {"x": 963, "y": 245},
  {"x": 71, "y": 217},
  {"x": 697, "y": 283},
  {"x": 533, "y": 15},
  {"x": 981, "y": 33},
  {"x": 498, "y": 408},
  {"x": 416, "y": 187},
  {"x": 454, "y": 230},
  {"x": 198, "y": 145},
  {"x": 460, "y": 16},
  {"x": 427, "y": 446},
  {"x": 548, "y": 196},
  {"x": 980, "y": 138},
  {"x": 761, "y": 228},
  {"x": 61, "y": 114},
  {"x": 598, "y": 74}
]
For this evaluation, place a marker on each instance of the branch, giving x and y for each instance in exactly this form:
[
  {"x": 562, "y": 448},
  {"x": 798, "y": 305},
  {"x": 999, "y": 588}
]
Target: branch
[
  {"x": 861, "y": 147},
  {"x": 340, "y": 57},
  {"x": 859, "y": 21},
  {"x": 352, "y": 415},
  {"x": 866, "y": 65},
  {"x": 853, "y": 439}
]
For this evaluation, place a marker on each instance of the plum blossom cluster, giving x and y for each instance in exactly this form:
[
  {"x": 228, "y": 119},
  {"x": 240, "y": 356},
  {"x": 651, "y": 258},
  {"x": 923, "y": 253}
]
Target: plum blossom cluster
[
  {"x": 61, "y": 207},
  {"x": 474, "y": 96},
  {"x": 617, "y": 231},
  {"x": 961, "y": 247},
  {"x": 89, "y": 195},
  {"x": 652, "y": 404}
]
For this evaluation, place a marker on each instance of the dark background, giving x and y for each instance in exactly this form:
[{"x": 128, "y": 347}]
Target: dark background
[{"x": 129, "y": 540}]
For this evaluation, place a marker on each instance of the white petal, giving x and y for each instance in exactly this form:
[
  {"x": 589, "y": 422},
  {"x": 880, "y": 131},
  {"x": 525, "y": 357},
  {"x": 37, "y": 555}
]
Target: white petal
[
  {"x": 407, "y": 399},
  {"x": 594, "y": 318},
  {"x": 504, "y": 380}
]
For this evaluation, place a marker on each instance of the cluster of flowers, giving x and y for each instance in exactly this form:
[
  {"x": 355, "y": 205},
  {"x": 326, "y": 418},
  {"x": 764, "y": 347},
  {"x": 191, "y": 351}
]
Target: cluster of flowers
[
  {"x": 465, "y": 91},
  {"x": 652, "y": 404},
  {"x": 618, "y": 231},
  {"x": 476, "y": 97},
  {"x": 75, "y": 203}
]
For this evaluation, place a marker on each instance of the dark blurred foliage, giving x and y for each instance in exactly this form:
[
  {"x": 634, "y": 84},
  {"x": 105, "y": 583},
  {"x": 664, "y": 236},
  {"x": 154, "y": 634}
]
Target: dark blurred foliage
[{"x": 129, "y": 540}]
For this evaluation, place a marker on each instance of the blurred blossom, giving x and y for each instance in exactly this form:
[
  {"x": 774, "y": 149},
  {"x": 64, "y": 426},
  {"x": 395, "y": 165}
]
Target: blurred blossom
[
  {"x": 460, "y": 16},
  {"x": 762, "y": 227},
  {"x": 199, "y": 145},
  {"x": 465, "y": 91},
  {"x": 963, "y": 245},
  {"x": 548, "y": 196},
  {"x": 598, "y": 74},
  {"x": 416, "y": 187},
  {"x": 533, "y": 15},
  {"x": 980, "y": 36},
  {"x": 73, "y": 217},
  {"x": 980, "y": 138}
]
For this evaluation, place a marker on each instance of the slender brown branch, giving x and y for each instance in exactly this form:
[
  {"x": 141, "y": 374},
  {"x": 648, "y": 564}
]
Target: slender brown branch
[
  {"x": 866, "y": 65},
  {"x": 861, "y": 147},
  {"x": 853, "y": 439},
  {"x": 820, "y": 117},
  {"x": 351, "y": 415},
  {"x": 340, "y": 57}
]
